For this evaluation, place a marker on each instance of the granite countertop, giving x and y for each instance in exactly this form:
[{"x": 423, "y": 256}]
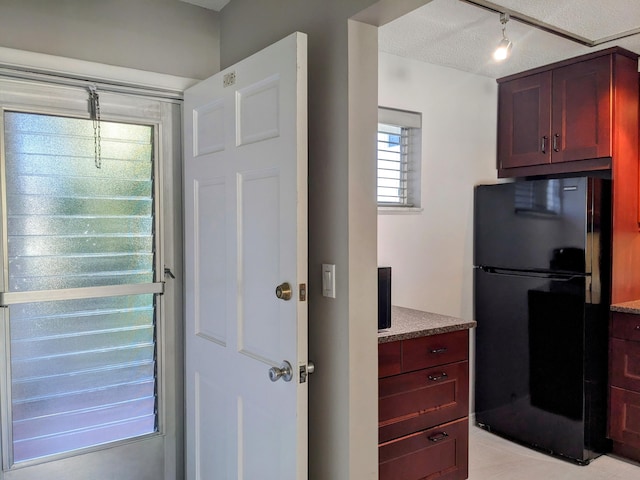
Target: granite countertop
[
  {"x": 408, "y": 323},
  {"x": 626, "y": 307}
]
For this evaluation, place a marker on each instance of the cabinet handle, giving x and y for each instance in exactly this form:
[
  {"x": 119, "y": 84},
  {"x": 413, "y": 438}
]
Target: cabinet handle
[
  {"x": 438, "y": 437},
  {"x": 436, "y": 378},
  {"x": 438, "y": 350},
  {"x": 543, "y": 145},
  {"x": 556, "y": 137}
]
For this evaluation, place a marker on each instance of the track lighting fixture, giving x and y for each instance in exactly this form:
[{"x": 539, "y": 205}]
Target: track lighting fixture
[{"x": 504, "y": 47}]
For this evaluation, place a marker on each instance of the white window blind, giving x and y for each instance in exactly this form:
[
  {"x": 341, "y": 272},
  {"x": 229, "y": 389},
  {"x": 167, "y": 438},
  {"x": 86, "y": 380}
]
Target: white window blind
[{"x": 398, "y": 161}]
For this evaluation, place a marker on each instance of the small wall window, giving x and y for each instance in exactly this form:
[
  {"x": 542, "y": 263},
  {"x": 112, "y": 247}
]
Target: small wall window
[{"x": 399, "y": 158}]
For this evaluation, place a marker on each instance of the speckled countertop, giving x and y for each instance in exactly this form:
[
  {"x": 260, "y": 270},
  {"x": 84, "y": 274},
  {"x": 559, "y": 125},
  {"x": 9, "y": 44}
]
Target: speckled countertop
[
  {"x": 626, "y": 307},
  {"x": 408, "y": 323}
]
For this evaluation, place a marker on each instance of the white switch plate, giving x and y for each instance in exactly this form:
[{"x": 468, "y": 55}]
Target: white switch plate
[{"x": 329, "y": 280}]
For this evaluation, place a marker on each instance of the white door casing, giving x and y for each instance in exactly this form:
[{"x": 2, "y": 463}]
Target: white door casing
[{"x": 245, "y": 173}]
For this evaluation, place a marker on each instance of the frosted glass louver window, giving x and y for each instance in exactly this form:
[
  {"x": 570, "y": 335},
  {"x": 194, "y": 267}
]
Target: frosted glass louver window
[
  {"x": 83, "y": 371},
  {"x": 71, "y": 224}
]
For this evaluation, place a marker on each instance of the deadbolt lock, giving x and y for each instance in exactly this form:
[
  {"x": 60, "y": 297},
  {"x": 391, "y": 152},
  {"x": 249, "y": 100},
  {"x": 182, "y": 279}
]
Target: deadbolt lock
[{"x": 283, "y": 291}]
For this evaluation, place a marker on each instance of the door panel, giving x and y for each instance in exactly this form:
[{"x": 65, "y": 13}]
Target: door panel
[
  {"x": 258, "y": 111},
  {"x": 210, "y": 247},
  {"x": 214, "y": 411},
  {"x": 259, "y": 198},
  {"x": 246, "y": 206}
]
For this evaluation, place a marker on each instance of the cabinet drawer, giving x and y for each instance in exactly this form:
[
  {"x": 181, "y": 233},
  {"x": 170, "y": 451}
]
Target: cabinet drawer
[
  {"x": 625, "y": 364},
  {"x": 624, "y": 422},
  {"x": 425, "y": 352},
  {"x": 414, "y": 401},
  {"x": 437, "y": 453},
  {"x": 625, "y": 326},
  {"x": 389, "y": 359}
]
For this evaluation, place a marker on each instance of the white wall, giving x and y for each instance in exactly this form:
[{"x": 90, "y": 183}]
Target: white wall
[
  {"x": 431, "y": 252},
  {"x": 164, "y": 36}
]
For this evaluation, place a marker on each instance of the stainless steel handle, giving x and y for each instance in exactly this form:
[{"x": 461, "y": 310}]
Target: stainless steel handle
[
  {"x": 543, "y": 145},
  {"x": 285, "y": 372},
  {"x": 556, "y": 137},
  {"x": 438, "y": 437},
  {"x": 439, "y": 350},
  {"x": 436, "y": 378}
]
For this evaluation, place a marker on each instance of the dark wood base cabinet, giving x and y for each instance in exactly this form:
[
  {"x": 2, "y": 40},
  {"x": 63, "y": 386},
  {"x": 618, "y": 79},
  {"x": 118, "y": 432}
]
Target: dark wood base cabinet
[
  {"x": 439, "y": 452},
  {"x": 624, "y": 390},
  {"x": 424, "y": 407}
]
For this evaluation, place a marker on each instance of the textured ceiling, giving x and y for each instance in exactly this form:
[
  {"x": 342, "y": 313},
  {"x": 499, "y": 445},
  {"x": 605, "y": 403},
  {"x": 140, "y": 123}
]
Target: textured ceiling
[{"x": 463, "y": 36}]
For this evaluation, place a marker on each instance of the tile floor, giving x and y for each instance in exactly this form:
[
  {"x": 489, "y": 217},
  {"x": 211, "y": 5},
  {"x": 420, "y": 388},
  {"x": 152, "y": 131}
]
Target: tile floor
[{"x": 493, "y": 458}]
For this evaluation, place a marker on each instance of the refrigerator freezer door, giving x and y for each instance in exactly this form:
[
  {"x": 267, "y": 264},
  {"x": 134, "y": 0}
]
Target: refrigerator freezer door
[{"x": 536, "y": 225}]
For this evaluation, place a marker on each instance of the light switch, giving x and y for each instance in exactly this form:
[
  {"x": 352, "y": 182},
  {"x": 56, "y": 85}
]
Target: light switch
[{"x": 329, "y": 280}]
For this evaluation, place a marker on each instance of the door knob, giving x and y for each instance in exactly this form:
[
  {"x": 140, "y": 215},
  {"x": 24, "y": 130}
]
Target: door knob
[
  {"x": 285, "y": 372},
  {"x": 283, "y": 291}
]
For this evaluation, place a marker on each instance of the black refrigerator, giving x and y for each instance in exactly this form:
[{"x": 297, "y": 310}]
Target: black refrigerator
[{"x": 542, "y": 295}]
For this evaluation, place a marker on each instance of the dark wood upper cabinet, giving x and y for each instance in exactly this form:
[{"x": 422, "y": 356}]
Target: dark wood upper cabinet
[
  {"x": 524, "y": 121},
  {"x": 581, "y": 113},
  {"x": 559, "y": 118}
]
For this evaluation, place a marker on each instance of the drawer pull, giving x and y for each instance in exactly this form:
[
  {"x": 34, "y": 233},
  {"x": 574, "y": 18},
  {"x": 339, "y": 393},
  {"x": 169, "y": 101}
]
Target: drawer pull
[
  {"x": 439, "y": 350},
  {"x": 438, "y": 437},
  {"x": 435, "y": 378}
]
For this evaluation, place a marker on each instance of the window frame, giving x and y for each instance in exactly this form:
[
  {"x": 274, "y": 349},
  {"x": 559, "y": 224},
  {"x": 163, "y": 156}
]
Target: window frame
[
  {"x": 163, "y": 114},
  {"x": 410, "y": 124}
]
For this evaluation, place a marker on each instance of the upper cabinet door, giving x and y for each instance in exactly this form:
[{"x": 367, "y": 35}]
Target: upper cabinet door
[
  {"x": 524, "y": 121},
  {"x": 581, "y": 127}
]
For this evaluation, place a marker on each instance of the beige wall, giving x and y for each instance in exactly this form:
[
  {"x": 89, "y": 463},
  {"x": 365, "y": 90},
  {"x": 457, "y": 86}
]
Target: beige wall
[
  {"x": 342, "y": 331},
  {"x": 342, "y": 213},
  {"x": 165, "y": 36}
]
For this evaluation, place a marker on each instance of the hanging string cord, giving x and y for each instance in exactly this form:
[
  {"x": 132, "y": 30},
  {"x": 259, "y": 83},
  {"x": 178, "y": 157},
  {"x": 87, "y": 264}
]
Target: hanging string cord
[{"x": 94, "y": 112}]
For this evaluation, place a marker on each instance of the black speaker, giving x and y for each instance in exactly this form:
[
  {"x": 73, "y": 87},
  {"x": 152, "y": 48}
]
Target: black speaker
[{"x": 384, "y": 297}]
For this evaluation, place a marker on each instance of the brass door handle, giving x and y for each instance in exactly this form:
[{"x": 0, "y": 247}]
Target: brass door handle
[{"x": 283, "y": 291}]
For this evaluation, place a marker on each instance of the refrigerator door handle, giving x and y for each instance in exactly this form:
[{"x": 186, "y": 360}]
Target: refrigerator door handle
[{"x": 531, "y": 273}]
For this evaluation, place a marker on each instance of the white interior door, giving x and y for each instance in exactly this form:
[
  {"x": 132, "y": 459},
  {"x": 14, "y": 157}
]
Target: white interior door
[{"x": 245, "y": 235}]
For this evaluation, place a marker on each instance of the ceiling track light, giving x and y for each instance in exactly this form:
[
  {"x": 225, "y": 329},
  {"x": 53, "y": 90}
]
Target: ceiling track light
[
  {"x": 503, "y": 50},
  {"x": 546, "y": 27}
]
